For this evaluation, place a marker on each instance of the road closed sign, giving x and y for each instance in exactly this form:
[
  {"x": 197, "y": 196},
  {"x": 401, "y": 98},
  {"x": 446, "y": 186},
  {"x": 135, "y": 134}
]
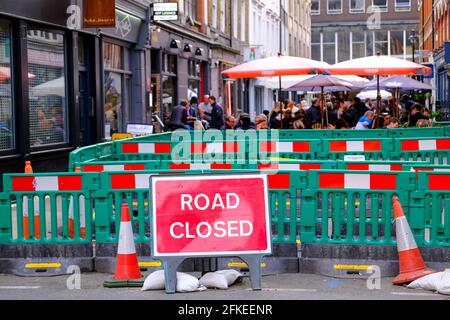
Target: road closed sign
[{"x": 214, "y": 215}]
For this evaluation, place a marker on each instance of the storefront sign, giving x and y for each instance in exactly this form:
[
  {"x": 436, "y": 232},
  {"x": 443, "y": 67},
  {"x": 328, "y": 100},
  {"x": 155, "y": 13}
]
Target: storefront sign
[
  {"x": 165, "y": 11},
  {"x": 139, "y": 129},
  {"x": 211, "y": 215},
  {"x": 99, "y": 13}
]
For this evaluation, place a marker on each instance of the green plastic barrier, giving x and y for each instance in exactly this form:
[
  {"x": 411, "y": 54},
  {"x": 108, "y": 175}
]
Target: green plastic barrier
[
  {"x": 305, "y": 134},
  {"x": 432, "y": 150},
  {"x": 353, "y": 207},
  {"x": 372, "y": 149},
  {"x": 360, "y": 134},
  {"x": 430, "y": 209},
  {"x": 419, "y": 166},
  {"x": 375, "y": 165},
  {"x": 100, "y": 166},
  {"x": 100, "y": 151},
  {"x": 133, "y": 188},
  {"x": 295, "y": 165},
  {"x": 429, "y": 132},
  {"x": 42, "y": 208},
  {"x": 282, "y": 149}
]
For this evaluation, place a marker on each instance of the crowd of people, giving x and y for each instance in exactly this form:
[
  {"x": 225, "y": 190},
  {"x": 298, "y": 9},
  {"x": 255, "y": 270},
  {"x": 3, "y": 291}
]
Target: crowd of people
[{"x": 335, "y": 114}]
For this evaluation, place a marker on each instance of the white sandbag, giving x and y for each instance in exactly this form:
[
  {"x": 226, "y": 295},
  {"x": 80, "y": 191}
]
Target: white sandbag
[
  {"x": 221, "y": 279},
  {"x": 154, "y": 281},
  {"x": 444, "y": 285},
  {"x": 428, "y": 282},
  {"x": 185, "y": 282}
]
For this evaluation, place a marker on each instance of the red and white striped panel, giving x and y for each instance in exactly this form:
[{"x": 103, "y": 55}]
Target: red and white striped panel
[
  {"x": 113, "y": 167},
  {"x": 424, "y": 145},
  {"x": 215, "y": 147},
  {"x": 47, "y": 183},
  {"x": 279, "y": 181},
  {"x": 417, "y": 169},
  {"x": 130, "y": 181},
  {"x": 438, "y": 182},
  {"x": 157, "y": 148},
  {"x": 299, "y": 146},
  {"x": 374, "y": 167},
  {"x": 357, "y": 181},
  {"x": 201, "y": 166},
  {"x": 355, "y": 146},
  {"x": 289, "y": 166}
]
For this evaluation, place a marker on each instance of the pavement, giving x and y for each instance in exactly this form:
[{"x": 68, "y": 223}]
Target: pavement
[{"x": 297, "y": 286}]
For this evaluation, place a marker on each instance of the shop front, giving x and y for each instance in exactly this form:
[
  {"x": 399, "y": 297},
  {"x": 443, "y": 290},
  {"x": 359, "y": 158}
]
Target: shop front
[
  {"x": 180, "y": 70},
  {"x": 62, "y": 86},
  {"x": 442, "y": 65}
]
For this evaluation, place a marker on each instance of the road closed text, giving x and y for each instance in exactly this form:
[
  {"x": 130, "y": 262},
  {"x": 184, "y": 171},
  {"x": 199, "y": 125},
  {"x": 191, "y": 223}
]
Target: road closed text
[{"x": 204, "y": 229}]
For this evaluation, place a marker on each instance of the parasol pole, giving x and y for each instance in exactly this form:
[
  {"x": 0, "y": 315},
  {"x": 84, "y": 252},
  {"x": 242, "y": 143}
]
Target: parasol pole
[
  {"x": 279, "y": 99},
  {"x": 321, "y": 104},
  {"x": 378, "y": 100},
  {"x": 229, "y": 97}
]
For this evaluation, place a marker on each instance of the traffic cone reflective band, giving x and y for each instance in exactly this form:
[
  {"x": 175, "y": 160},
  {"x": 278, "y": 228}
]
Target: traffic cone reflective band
[
  {"x": 25, "y": 219},
  {"x": 412, "y": 266},
  {"x": 82, "y": 215},
  {"x": 127, "y": 266}
]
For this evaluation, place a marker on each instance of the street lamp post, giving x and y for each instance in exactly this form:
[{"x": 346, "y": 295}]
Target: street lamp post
[{"x": 413, "y": 37}]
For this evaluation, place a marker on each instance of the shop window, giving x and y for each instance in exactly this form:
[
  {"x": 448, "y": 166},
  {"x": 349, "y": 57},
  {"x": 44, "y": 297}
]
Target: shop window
[
  {"x": 315, "y": 7},
  {"x": 315, "y": 46},
  {"x": 190, "y": 8},
  {"x": 47, "y": 88},
  {"x": 402, "y": 5},
  {"x": 170, "y": 63},
  {"x": 116, "y": 101},
  {"x": 397, "y": 45},
  {"x": 334, "y": 6},
  {"x": 357, "y": 6},
  {"x": 6, "y": 103},
  {"x": 381, "y": 5},
  {"x": 343, "y": 46},
  {"x": 358, "y": 45},
  {"x": 169, "y": 96},
  {"x": 194, "y": 78},
  {"x": 381, "y": 42},
  {"x": 329, "y": 47}
]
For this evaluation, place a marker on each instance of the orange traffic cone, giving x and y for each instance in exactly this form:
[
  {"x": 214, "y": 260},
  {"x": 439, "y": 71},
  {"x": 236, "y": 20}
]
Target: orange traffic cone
[
  {"x": 26, "y": 231},
  {"x": 82, "y": 214},
  {"x": 127, "y": 266},
  {"x": 412, "y": 266}
]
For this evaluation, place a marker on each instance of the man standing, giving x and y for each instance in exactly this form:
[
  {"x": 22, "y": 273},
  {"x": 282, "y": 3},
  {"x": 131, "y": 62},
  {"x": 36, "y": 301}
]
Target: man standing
[
  {"x": 178, "y": 118},
  {"x": 205, "y": 107},
  {"x": 216, "y": 114},
  {"x": 313, "y": 115}
]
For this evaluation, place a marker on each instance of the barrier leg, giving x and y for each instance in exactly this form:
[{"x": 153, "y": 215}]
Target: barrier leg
[
  {"x": 254, "y": 266},
  {"x": 170, "y": 273}
]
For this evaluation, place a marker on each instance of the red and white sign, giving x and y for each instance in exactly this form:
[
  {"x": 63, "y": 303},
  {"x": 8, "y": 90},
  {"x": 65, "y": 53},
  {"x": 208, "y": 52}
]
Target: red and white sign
[{"x": 212, "y": 215}]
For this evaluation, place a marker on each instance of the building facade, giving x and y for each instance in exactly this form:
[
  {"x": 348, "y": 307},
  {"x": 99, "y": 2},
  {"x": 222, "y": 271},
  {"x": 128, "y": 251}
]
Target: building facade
[
  {"x": 435, "y": 45},
  {"x": 275, "y": 27},
  {"x": 299, "y": 29},
  {"x": 63, "y": 86},
  {"x": 349, "y": 29},
  {"x": 189, "y": 55}
]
